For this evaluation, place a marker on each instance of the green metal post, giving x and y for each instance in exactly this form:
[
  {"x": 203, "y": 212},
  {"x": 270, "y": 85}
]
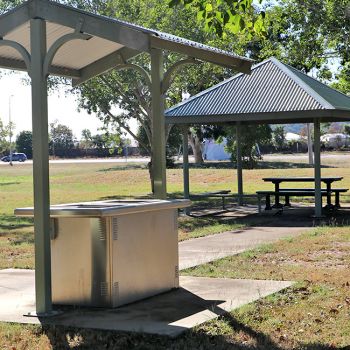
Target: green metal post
[
  {"x": 239, "y": 164},
  {"x": 40, "y": 168},
  {"x": 158, "y": 125},
  {"x": 309, "y": 145},
  {"x": 185, "y": 166},
  {"x": 317, "y": 169}
]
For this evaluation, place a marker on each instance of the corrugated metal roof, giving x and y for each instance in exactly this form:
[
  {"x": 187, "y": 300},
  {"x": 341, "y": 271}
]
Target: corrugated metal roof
[
  {"x": 180, "y": 40},
  {"x": 272, "y": 87}
]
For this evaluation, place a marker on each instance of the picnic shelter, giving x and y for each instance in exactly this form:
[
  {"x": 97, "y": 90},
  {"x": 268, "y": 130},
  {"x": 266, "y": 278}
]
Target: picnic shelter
[
  {"x": 274, "y": 93},
  {"x": 46, "y": 38}
]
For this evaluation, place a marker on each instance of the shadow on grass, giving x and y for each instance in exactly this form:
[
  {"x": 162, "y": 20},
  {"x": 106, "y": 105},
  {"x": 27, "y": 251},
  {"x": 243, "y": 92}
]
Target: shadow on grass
[
  {"x": 247, "y": 215},
  {"x": 109, "y": 198},
  {"x": 10, "y": 222},
  {"x": 19, "y": 238},
  {"x": 287, "y": 165},
  {"x": 9, "y": 183},
  {"x": 61, "y": 337},
  {"x": 217, "y": 165},
  {"x": 124, "y": 167},
  {"x": 209, "y": 212},
  {"x": 259, "y": 165}
]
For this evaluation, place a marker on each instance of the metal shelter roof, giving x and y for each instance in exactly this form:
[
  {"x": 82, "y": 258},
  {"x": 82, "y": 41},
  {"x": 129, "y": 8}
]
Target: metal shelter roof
[
  {"x": 110, "y": 41},
  {"x": 274, "y": 93}
]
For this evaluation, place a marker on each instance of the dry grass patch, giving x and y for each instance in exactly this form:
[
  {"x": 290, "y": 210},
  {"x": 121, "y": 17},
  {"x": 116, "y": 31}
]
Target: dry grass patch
[{"x": 315, "y": 311}]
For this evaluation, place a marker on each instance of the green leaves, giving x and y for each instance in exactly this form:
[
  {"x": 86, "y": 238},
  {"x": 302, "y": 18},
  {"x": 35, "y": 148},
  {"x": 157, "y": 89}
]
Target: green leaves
[{"x": 226, "y": 15}]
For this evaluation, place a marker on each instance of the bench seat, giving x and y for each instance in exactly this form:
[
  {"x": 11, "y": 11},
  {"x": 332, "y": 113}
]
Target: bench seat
[
  {"x": 215, "y": 194},
  {"x": 297, "y": 192}
]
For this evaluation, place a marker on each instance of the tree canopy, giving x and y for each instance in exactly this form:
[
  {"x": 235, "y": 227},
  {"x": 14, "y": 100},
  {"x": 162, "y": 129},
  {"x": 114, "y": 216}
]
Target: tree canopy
[{"x": 24, "y": 143}]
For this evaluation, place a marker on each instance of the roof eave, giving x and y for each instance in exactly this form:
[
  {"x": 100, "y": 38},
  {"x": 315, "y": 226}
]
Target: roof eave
[
  {"x": 92, "y": 24},
  {"x": 263, "y": 118},
  {"x": 236, "y": 63}
]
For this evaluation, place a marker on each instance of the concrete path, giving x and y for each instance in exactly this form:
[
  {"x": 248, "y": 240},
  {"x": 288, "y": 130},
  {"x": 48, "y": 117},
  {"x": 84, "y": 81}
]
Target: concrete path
[
  {"x": 198, "y": 300},
  {"x": 198, "y": 251}
]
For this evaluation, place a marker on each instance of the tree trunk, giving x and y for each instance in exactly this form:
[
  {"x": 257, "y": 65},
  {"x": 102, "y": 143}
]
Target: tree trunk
[
  {"x": 150, "y": 171},
  {"x": 196, "y": 148}
]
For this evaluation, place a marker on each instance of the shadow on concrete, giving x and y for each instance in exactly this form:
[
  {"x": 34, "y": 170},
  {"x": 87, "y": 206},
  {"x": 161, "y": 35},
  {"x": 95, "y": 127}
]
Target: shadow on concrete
[{"x": 169, "y": 314}]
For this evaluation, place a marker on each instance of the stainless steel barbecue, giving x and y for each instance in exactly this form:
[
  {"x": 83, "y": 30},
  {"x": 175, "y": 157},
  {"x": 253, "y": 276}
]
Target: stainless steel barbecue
[{"x": 111, "y": 253}]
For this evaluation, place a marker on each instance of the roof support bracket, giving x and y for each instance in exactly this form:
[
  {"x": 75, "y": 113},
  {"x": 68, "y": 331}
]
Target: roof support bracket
[
  {"x": 169, "y": 75},
  {"x": 60, "y": 42},
  {"x": 138, "y": 68},
  {"x": 20, "y": 49}
]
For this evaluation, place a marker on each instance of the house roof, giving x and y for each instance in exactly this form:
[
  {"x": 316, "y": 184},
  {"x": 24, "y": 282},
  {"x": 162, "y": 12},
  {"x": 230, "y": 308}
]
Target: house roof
[
  {"x": 274, "y": 92},
  {"x": 110, "y": 42}
]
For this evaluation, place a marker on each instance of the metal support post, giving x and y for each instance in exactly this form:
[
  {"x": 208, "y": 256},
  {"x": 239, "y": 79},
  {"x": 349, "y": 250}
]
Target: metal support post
[
  {"x": 239, "y": 164},
  {"x": 317, "y": 169},
  {"x": 185, "y": 166},
  {"x": 158, "y": 125},
  {"x": 309, "y": 145},
  {"x": 40, "y": 169},
  {"x": 10, "y": 126}
]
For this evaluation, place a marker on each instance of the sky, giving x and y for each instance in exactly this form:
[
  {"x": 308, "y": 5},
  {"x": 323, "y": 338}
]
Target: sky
[{"x": 61, "y": 107}]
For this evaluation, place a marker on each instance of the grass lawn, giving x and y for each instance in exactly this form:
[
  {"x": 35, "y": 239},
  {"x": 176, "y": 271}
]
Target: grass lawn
[{"x": 314, "y": 314}]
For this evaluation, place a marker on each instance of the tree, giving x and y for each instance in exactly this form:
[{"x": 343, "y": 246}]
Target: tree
[
  {"x": 343, "y": 79},
  {"x": 251, "y": 135},
  {"x": 120, "y": 96},
  {"x": 219, "y": 15},
  {"x": 86, "y": 140},
  {"x": 279, "y": 137},
  {"x": 106, "y": 143},
  {"x": 61, "y": 139},
  {"x": 24, "y": 143},
  {"x": 4, "y": 134}
]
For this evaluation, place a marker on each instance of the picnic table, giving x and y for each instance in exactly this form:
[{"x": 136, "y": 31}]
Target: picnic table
[{"x": 287, "y": 192}]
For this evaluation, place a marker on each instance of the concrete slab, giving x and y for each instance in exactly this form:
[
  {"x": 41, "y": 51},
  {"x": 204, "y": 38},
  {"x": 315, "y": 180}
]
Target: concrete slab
[
  {"x": 201, "y": 250},
  {"x": 197, "y": 301}
]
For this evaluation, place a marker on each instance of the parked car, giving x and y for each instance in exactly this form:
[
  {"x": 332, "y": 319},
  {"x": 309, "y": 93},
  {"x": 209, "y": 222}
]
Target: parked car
[{"x": 16, "y": 157}]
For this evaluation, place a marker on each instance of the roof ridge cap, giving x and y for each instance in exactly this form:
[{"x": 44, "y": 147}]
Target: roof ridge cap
[
  {"x": 287, "y": 69},
  {"x": 311, "y": 77}
]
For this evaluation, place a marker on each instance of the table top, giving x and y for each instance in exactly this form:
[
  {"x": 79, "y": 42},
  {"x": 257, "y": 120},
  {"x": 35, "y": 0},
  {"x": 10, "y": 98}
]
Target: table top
[{"x": 302, "y": 179}]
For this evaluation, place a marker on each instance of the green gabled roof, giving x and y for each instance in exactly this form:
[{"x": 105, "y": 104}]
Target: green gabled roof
[{"x": 272, "y": 91}]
